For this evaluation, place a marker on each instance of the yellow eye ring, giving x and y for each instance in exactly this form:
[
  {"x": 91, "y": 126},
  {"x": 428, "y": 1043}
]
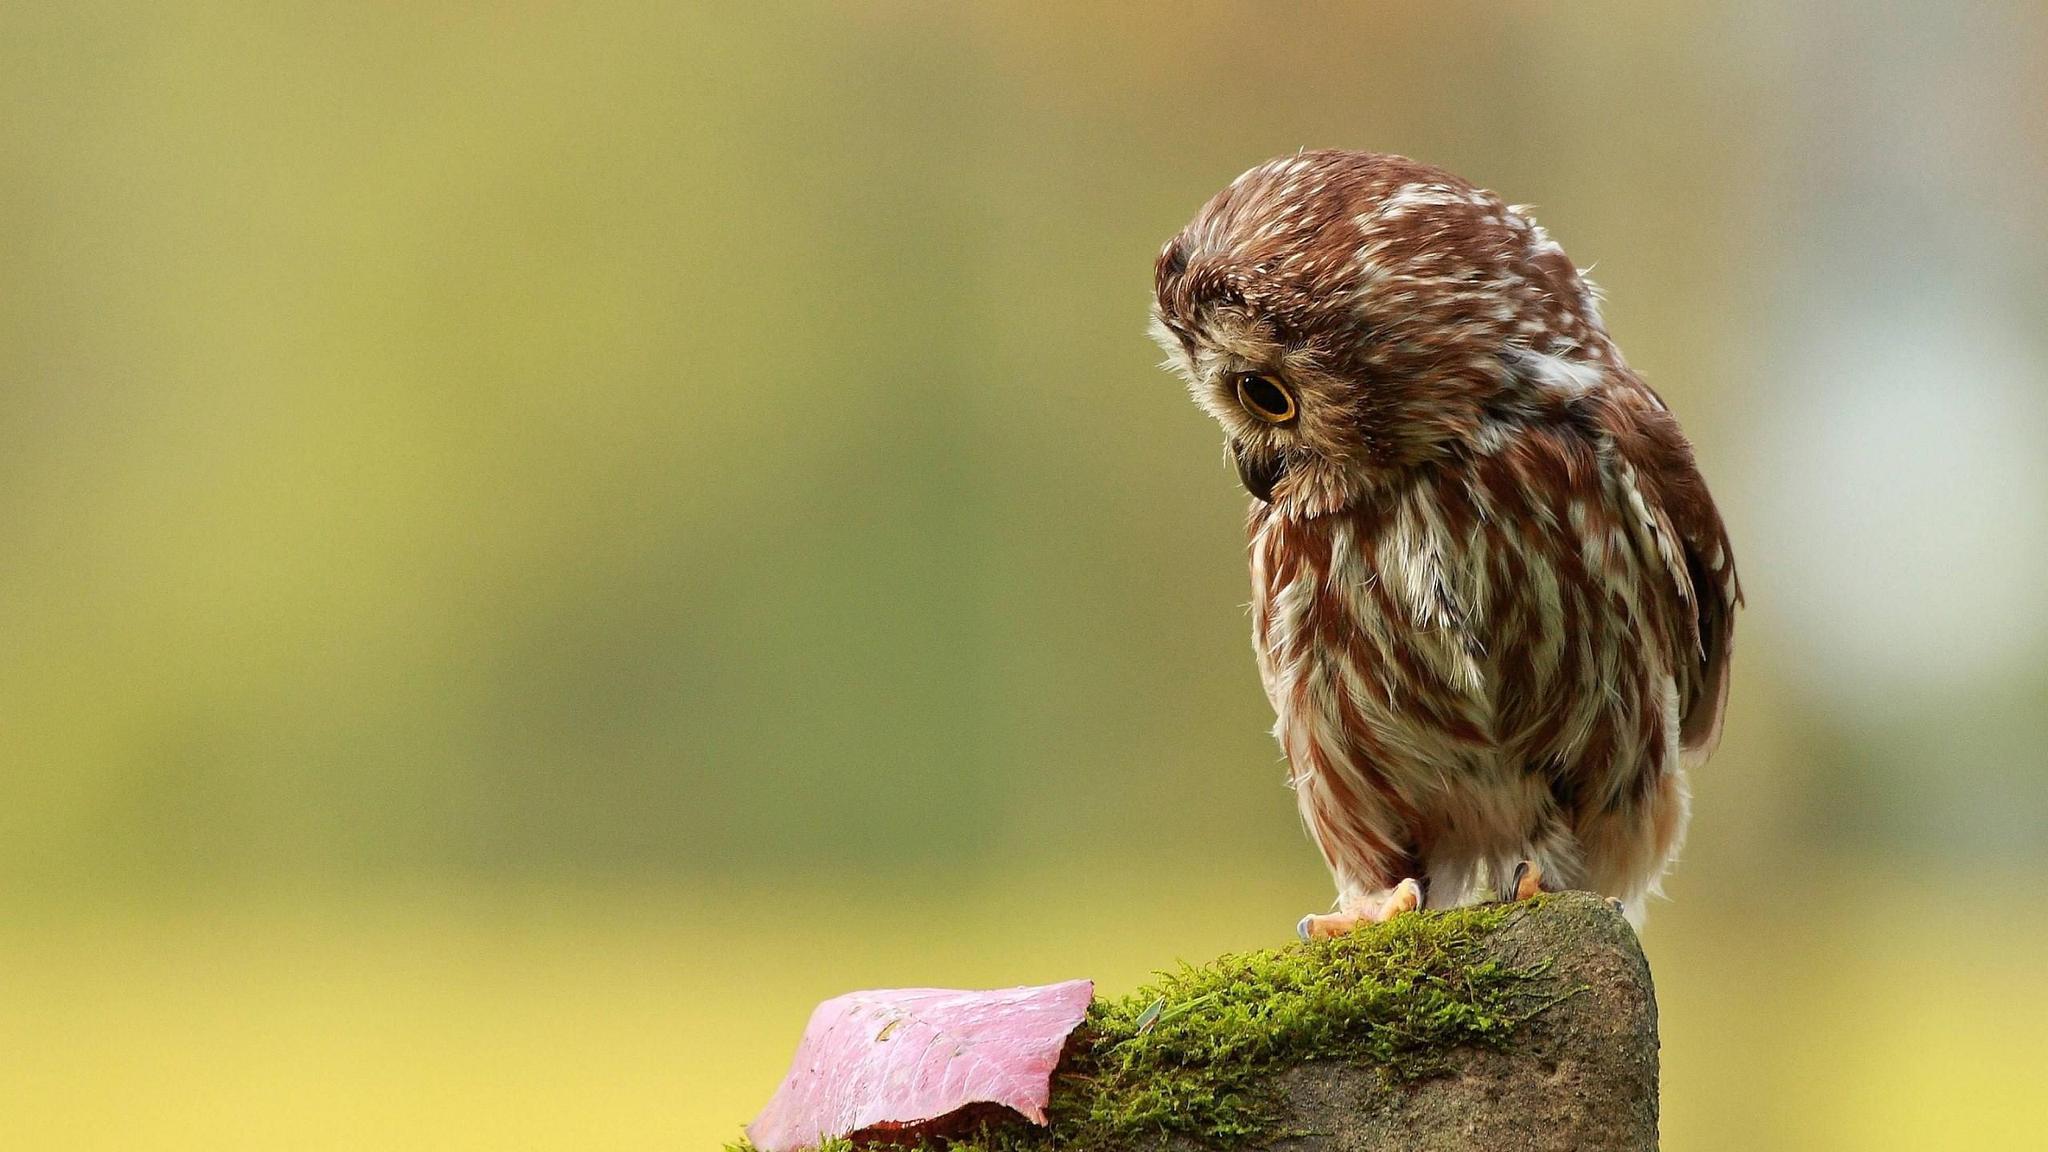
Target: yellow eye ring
[{"x": 1265, "y": 398}]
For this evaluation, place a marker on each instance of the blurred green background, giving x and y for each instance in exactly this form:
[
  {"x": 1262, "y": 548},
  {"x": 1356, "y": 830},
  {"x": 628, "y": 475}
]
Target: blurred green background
[{"x": 541, "y": 540}]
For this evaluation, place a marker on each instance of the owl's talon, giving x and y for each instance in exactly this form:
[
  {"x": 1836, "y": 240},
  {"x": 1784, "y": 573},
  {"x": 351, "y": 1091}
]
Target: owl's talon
[
  {"x": 1615, "y": 903},
  {"x": 1327, "y": 926},
  {"x": 1407, "y": 897},
  {"x": 1376, "y": 908},
  {"x": 1527, "y": 882}
]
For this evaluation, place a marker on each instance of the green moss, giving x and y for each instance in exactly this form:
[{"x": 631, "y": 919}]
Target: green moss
[{"x": 1191, "y": 1054}]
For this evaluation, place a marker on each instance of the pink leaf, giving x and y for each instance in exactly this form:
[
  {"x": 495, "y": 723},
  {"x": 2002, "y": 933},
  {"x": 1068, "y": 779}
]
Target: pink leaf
[{"x": 911, "y": 1056}]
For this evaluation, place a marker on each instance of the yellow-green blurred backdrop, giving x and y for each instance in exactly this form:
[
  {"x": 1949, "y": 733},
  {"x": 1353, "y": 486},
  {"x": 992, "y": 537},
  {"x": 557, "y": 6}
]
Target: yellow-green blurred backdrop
[{"x": 539, "y": 540}]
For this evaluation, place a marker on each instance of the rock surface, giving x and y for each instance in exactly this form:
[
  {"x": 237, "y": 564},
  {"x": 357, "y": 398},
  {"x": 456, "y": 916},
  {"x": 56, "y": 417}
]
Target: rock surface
[{"x": 1580, "y": 1076}]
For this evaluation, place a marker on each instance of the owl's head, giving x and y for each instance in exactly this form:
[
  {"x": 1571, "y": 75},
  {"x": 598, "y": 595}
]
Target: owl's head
[{"x": 1350, "y": 315}]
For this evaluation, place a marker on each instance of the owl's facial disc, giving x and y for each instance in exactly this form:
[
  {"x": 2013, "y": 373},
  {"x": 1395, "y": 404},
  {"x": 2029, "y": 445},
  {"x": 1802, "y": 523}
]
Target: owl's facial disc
[{"x": 1258, "y": 471}]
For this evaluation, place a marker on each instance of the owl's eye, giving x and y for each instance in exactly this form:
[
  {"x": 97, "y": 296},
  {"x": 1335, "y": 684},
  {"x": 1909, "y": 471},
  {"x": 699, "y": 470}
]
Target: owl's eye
[{"x": 1265, "y": 398}]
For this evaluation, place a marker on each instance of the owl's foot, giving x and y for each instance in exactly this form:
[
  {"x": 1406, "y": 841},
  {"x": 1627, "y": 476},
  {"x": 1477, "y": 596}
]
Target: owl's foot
[
  {"x": 1526, "y": 882},
  {"x": 1376, "y": 908}
]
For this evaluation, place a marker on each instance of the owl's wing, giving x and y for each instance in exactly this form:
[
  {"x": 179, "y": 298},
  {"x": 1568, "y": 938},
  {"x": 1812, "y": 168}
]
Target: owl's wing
[
  {"x": 1716, "y": 593},
  {"x": 1680, "y": 531}
]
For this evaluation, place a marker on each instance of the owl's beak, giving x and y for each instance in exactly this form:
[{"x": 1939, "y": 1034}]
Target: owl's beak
[{"x": 1258, "y": 472}]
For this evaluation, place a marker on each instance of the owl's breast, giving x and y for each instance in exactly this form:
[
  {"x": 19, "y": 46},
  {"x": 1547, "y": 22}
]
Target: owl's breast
[
  {"x": 1446, "y": 647},
  {"x": 1369, "y": 649}
]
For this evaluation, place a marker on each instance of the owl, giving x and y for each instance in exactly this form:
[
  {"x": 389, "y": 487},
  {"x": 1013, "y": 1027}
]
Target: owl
[{"x": 1492, "y": 599}]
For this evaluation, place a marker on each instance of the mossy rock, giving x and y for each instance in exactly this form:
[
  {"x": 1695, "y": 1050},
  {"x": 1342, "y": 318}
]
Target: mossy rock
[
  {"x": 1579, "y": 1075},
  {"x": 1517, "y": 1028}
]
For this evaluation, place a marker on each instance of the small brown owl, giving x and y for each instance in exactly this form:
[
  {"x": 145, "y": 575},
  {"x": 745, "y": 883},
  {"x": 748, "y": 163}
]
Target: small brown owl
[{"x": 1492, "y": 600}]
